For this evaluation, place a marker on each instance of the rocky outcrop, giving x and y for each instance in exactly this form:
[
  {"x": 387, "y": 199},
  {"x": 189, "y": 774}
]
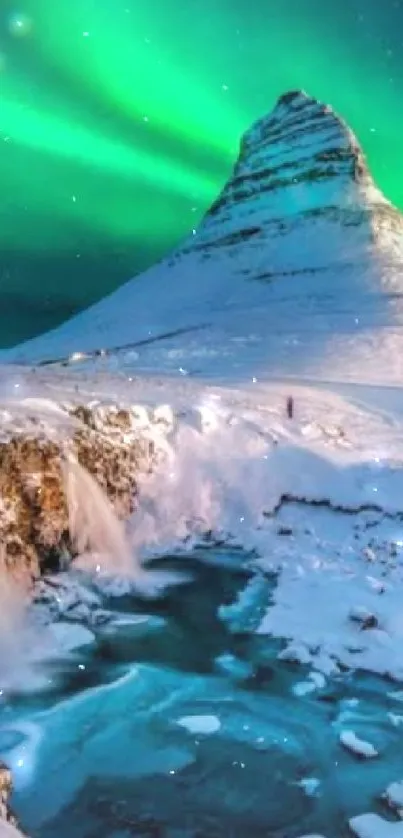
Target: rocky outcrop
[
  {"x": 9, "y": 825},
  {"x": 35, "y": 449}
]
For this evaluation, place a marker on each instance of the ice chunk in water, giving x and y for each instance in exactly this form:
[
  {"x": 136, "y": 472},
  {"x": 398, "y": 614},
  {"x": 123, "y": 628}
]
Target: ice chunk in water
[
  {"x": 310, "y": 785},
  {"x": 200, "y": 724},
  {"x": 394, "y": 796},
  {"x": 357, "y": 746},
  {"x": 372, "y": 826}
]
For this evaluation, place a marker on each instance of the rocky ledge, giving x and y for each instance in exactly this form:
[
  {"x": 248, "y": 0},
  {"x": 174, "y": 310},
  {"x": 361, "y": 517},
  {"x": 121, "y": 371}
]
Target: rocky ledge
[
  {"x": 43, "y": 447},
  {"x": 9, "y": 826}
]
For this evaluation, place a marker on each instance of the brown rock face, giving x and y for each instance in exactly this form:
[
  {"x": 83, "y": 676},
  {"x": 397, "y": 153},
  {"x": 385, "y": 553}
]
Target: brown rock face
[
  {"x": 6, "y": 788},
  {"x": 34, "y": 518}
]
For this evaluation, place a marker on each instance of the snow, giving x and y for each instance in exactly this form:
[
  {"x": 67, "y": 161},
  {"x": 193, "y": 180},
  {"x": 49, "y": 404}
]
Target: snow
[
  {"x": 318, "y": 678},
  {"x": 394, "y": 796},
  {"x": 372, "y": 826},
  {"x": 233, "y": 667},
  {"x": 310, "y": 785},
  {"x": 303, "y": 688},
  {"x": 395, "y": 719},
  {"x": 69, "y": 636},
  {"x": 357, "y": 746},
  {"x": 204, "y": 725},
  {"x": 328, "y": 547},
  {"x": 316, "y": 681},
  {"x": 207, "y": 351},
  {"x": 300, "y": 498},
  {"x": 313, "y": 290},
  {"x": 9, "y": 831}
]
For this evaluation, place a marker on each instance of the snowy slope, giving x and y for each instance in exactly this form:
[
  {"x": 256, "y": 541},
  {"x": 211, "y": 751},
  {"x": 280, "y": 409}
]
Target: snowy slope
[{"x": 296, "y": 269}]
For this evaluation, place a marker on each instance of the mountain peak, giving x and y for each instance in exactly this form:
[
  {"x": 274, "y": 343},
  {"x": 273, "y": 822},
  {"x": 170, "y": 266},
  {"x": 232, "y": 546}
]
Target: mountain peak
[
  {"x": 300, "y": 251},
  {"x": 291, "y": 97},
  {"x": 300, "y": 140}
]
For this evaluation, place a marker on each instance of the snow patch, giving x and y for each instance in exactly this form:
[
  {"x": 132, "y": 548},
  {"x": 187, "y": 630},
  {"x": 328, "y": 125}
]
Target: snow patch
[
  {"x": 310, "y": 785},
  {"x": 205, "y": 725},
  {"x": 70, "y": 636},
  {"x": 373, "y": 826},
  {"x": 394, "y": 796},
  {"x": 357, "y": 746}
]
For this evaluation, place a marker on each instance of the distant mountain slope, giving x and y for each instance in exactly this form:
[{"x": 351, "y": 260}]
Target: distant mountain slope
[{"x": 298, "y": 260}]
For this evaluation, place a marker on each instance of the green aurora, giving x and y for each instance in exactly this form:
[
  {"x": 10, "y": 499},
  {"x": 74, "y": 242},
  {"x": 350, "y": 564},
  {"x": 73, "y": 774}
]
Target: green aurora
[{"x": 120, "y": 121}]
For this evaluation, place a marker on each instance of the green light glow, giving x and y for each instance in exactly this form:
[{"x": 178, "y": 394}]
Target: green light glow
[
  {"x": 105, "y": 48},
  {"x": 47, "y": 133},
  {"x": 120, "y": 119}
]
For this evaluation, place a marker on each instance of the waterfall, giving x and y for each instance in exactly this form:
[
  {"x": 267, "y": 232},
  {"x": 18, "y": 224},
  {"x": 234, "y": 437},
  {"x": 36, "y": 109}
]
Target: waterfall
[
  {"x": 12, "y": 612},
  {"x": 97, "y": 533}
]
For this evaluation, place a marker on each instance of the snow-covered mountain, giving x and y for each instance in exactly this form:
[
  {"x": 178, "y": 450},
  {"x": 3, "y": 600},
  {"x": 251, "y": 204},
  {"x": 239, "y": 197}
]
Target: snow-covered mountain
[{"x": 297, "y": 268}]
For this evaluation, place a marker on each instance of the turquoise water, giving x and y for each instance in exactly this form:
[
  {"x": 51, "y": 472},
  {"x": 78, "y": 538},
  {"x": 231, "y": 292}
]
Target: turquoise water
[{"x": 180, "y": 722}]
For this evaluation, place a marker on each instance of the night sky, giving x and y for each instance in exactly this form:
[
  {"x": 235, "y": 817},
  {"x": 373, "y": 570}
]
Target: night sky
[{"x": 120, "y": 121}]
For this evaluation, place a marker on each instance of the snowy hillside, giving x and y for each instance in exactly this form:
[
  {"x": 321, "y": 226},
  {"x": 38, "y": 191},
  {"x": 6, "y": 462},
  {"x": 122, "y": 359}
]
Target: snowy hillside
[
  {"x": 257, "y": 688},
  {"x": 296, "y": 269}
]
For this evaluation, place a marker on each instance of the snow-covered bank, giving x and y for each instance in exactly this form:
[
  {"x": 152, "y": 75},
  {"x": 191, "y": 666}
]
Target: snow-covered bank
[
  {"x": 318, "y": 495},
  {"x": 9, "y": 831}
]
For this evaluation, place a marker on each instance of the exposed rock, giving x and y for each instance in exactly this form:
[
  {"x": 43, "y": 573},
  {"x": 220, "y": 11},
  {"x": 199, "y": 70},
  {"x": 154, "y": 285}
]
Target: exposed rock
[
  {"x": 365, "y": 618},
  {"x": 34, "y": 519},
  {"x": 6, "y": 788}
]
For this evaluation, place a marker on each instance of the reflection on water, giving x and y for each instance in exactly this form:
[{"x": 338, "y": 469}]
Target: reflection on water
[{"x": 180, "y": 722}]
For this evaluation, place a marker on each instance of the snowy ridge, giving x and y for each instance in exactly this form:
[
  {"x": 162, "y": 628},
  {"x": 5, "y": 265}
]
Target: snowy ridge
[
  {"x": 300, "y": 143},
  {"x": 296, "y": 267}
]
